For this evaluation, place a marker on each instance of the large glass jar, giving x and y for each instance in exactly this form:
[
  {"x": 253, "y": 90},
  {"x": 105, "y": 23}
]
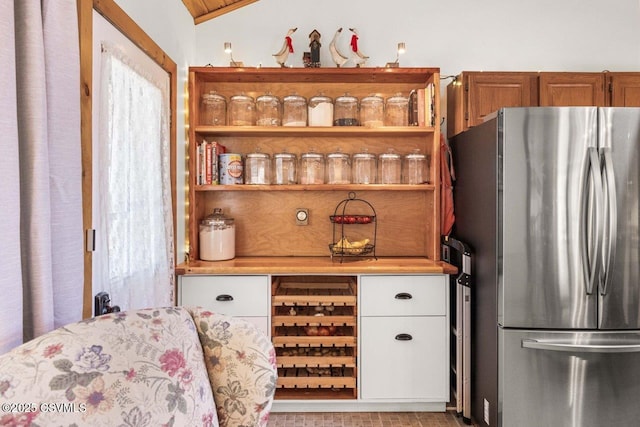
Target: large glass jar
[
  {"x": 364, "y": 168},
  {"x": 345, "y": 112},
  {"x": 257, "y": 168},
  {"x": 338, "y": 168},
  {"x": 284, "y": 168},
  {"x": 214, "y": 110},
  {"x": 268, "y": 110},
  {"x": 390, "y": 168},
  {"x": 242, "y": 111},
  {"x": 396, "y": 111},
  {"x": 372, "y": 111},
  {"x": 311, "y": 168},
  {"x": 217, "y": 237},
  {"x": 320, "y": 111},
  {"x": 415, "y": 169},
  {"x": 294, "y": 110}
]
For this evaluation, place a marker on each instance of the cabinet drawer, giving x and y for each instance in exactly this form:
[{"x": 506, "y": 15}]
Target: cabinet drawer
[
  {"x": 233, "y": 295},
  {"x": 403, "y": 295},
  {"x": 414, "y": 363}
]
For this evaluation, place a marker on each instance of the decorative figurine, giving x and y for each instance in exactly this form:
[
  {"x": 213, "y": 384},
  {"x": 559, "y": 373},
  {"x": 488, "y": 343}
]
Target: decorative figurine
[
  {"x": 287, "y": 48},
  {"x": 358, "y": 57},
  {"x": 337, "y": 57},
  {"x": 314, "y": 45}
]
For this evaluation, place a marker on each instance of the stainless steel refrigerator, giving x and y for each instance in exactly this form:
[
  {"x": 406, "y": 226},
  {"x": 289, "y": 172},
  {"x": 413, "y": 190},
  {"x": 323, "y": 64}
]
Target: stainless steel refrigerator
[{"x": 548, "y": 197}]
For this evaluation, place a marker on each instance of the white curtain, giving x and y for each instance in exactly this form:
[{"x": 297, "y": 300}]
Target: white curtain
[
  {"x": 135, "y": 229},
  {"x": 41, "y": 249}
]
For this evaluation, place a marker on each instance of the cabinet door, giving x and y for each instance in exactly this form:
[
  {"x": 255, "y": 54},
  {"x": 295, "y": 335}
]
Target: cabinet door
[
  {"x": 404, "y": 358},
  {"x": 572, "y": 89},
  {"x": 403, "y": 295},
  {"x": 246, "y": 296},
  {"x": 488, "y": 92},
  {"x": 625, "y": 89}
]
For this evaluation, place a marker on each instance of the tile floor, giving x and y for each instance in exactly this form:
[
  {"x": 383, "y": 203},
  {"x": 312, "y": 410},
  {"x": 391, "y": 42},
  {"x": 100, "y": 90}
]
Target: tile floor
[{"x": 365, "y": 419}]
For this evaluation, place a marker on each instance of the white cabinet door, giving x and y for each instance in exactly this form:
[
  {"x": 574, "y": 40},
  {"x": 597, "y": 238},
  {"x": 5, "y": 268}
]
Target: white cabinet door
[
  {"x": 239, "y": 296},
  {"x": 404, "y": 358},
  {"x": 403, "y": 295}
]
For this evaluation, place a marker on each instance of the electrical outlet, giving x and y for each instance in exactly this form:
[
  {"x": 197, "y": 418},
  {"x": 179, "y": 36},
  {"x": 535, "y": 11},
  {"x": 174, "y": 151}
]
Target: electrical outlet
[
  {"x": 302, "y": 216},
  {"x": 486, "y": 411}
]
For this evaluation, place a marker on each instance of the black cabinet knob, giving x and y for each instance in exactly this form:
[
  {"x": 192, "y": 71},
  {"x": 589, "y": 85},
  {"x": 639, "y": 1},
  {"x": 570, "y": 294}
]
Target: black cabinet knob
[
  {"x": 224, "y": 297},
  {"x": 403, "y": 295}
]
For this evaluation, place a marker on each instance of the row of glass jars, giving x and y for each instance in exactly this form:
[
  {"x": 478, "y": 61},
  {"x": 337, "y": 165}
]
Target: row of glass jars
[
  {"x": 336, "y": 168},
  {"x": 321, "y": 110}
]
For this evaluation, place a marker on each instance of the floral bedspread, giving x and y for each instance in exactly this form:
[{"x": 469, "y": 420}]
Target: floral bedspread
[{"x": 141, "y": 368}]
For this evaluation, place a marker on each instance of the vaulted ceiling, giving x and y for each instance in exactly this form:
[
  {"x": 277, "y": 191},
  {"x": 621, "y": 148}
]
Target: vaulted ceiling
[{"x": 204, "y": 10}]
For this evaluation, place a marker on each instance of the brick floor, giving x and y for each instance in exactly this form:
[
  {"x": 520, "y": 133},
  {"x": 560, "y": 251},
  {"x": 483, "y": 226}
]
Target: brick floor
[{"x": 365, "y": 419}]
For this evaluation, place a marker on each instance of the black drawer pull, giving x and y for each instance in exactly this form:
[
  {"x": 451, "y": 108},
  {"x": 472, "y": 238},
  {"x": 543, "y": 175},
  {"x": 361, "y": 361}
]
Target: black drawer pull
[
  {"x": 404, "y": 337},
  {"x": 224, "y": 297},
  {"x": 404, "y": 295}
]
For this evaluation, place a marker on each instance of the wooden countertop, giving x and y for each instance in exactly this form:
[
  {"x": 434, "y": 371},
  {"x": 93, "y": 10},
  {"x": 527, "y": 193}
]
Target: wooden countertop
[{"x": 317, "y": 265}]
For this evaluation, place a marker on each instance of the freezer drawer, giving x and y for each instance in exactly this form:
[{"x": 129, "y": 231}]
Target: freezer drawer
[{"x": 586, "y": 379}]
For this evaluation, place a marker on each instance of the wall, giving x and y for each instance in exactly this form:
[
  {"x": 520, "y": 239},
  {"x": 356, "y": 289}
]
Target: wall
[
  {"x": 581, "y": 35},
  {"x": 170, "y": 25}
]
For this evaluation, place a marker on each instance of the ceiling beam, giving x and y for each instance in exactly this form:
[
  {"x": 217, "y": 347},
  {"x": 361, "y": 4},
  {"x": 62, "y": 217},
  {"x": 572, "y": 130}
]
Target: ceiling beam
[{"x": 222, "y": 11}]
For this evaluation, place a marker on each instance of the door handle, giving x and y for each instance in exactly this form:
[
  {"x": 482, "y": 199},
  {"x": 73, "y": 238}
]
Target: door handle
[
  {"x": 590, "y": 254},
  {"x": 580, "y": 348},
  {"x": 403, "y": 295},
  {"x": 612, "y": 216},
  {"x": 224, "y": 298}
]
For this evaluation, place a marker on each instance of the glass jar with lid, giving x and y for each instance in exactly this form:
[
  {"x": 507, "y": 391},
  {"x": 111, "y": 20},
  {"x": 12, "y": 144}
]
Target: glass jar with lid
[
  {"x": 294, "y": 110},
  {"x": 338, "y": 168},
  {"x": 390, "y": 168},
  {"x": 415, "y": 169},
  {"x": 320, "y": 111},
  {"x": 268, "y": 110},
  {"x": 364, "y": 168},
  {"x": 214, "y": 109},
  {"x": 284, "y": 168},
  {"x": 217, "y": 235},
  {"x": 312, "y": 168},
  {"x": 345, "y": 112},
  {"x": 242, "y": 110},
  {"x": 396, "y": 111},
  {"x": 257, "y": 168},
  {"x": 372, "y": 111}
]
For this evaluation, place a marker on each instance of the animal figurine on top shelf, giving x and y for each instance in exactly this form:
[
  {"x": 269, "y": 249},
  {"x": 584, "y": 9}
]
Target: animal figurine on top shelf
[
  {"x": 358, "y": 57},
  {"x": 287, "y": 48},
  {"x": 337, "y": 57}
]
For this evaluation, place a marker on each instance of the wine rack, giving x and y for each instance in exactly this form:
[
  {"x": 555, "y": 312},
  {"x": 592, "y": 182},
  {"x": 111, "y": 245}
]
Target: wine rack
[{"x": 314, "y": 333}]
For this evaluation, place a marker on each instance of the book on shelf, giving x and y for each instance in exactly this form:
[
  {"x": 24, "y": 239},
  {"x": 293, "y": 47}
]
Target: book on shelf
[
  {"x": 422, "y": 106},
  {"x": 207, "y": 162}
]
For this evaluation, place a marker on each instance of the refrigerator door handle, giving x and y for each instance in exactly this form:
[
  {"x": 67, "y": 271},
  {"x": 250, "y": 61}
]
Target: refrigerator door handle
[
  {"x": 612, "y": 216},
  {"x": 580, "y": 348},
  {"x": 590, "y": 248}
]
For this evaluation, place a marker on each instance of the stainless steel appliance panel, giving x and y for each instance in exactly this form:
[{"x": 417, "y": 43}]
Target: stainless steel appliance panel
[
  {"x": 619, "y": 142},
  {"x": 569, "y": 379},
  {"x": 544, "y": 170}
]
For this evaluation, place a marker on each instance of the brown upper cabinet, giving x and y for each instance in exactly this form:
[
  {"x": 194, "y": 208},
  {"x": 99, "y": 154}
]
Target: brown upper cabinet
[
  {"x": 571, "y": 89},
  {"x": 474, "y": 94},
  {"x": 624, "y": 89}
]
